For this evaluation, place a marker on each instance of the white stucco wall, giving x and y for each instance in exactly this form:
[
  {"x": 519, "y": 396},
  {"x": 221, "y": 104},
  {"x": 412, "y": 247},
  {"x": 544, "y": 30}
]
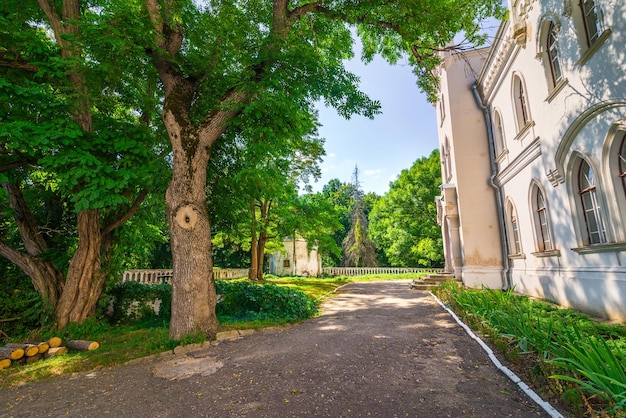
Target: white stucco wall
[{"x": 302, "y": 262}]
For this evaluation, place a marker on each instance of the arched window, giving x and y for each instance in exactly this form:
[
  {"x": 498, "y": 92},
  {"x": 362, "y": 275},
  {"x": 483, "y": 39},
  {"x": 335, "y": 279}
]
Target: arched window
[
  {"x": 542, "y": 221},
  {"x": 587, "y": 190},
  {"x": 521, "y": 103},
  {"x": 554, "y": 59},
  {"x": 514, "y": 234},
  {"x": 591, "y": 20},
  {"x": 498, "y": 133}
]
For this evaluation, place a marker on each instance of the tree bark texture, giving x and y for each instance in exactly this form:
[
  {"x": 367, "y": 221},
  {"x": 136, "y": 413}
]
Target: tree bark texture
[
  {"x": 254, "y": 255},
  {"x": 193, "y": 288},
  {"x": 84, "y": 281}
]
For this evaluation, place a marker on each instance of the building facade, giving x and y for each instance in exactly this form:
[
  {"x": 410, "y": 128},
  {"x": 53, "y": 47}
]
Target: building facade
[
  {"x": 533, "y": 143},
  {"x": 296, "y": 260}
]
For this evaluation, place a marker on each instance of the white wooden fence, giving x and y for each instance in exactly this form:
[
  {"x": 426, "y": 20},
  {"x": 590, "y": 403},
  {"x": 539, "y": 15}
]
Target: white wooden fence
[
  {"x": 165, "y": 275},
  {"x": 360, "y": 271}
]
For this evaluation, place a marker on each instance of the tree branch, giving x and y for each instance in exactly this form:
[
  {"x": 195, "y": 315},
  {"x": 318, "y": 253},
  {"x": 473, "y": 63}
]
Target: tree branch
[
  {"x": 25, "y": 221},
  {"x": 126, "y": 216},
  {"x": 17, "y": 64}
]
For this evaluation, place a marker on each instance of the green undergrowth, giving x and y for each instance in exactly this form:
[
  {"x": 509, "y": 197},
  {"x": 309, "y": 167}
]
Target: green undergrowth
[{"x": 569, "y": 356}]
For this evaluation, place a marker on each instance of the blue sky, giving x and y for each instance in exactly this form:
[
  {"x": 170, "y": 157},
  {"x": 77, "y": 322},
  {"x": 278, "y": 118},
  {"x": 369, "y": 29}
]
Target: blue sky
[{"x": 405, "y": 131}]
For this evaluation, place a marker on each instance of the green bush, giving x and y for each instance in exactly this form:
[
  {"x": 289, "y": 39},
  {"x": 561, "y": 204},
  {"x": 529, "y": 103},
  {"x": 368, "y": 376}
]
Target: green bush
[
  {"x": 20, "y": 300},
  {"x": 247, "y": 301},
  {"x": 238, "y": 301}
]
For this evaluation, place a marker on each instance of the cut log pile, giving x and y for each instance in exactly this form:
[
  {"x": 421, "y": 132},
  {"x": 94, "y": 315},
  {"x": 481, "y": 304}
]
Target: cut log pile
[{"x": 30, "y": 351}]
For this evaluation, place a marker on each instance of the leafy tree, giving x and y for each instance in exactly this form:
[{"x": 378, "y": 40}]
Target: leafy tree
[
  {"x": 257, "y": 196},
  {"x": 404, "y": 221},
  {"x": 225, "y": 66},
  {"x": 77, "y": 159},
  {"x": 358, "y": 248}
]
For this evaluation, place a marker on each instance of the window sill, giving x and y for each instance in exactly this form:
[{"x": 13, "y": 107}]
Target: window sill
[
  {"x": 556, "y": 90},
  {"x": 520, "y": 256},
  {"x": 524, "y": 130},
  {"x": 601, "y": 248},
  {"x": 593, "y": 48},
  {"x": 547, "y": 253}
]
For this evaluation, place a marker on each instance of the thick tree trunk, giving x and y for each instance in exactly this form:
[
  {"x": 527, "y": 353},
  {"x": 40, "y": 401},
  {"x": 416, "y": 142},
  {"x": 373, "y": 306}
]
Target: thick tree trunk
[
  {"x": 254, "y": 255},
  {"x": 84, "y": 281},
  {"x": 193, "y": 294}
]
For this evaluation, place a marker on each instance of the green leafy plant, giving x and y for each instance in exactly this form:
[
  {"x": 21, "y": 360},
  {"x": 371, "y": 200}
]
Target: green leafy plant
[
  {"x": 242, "y": 300},
  {"x": 595, "y": 365}
]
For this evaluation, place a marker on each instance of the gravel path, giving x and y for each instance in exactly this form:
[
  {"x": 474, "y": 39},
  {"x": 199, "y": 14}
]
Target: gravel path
[{"x": 379, "y": 349}]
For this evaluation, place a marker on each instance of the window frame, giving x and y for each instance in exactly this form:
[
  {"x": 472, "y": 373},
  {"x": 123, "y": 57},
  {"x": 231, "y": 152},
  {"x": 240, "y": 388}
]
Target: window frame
[
  {"x": 590, "y": 8},
  {"x": 515, "y": 238},
  {"x": 589, "y": 201},
  {"x": 541, "y": 216},
  {"x": 553, "y": 55},
  {"x": 520, "y": 103},
  {"x": 499, "y": 137},
  {"x": 621, "y": 161}
]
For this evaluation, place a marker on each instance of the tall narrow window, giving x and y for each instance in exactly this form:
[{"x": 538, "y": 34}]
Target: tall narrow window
[
  {"x": 521, "y": 103},
  {"x": 445, "y": 160},
  {"x": 515, "y": 242},
  {"x": 591, "y": 21},
  {"x": 498, "y": 133},
  {"x": 543, "y": 228},
  {"x": 621, "y": 162},
  {"x": 596, "y": 232},
  {"x": 554, "y": 59}
]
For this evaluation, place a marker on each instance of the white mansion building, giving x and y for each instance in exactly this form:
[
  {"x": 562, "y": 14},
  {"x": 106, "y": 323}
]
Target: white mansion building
[{"x": 533, "y": 146}]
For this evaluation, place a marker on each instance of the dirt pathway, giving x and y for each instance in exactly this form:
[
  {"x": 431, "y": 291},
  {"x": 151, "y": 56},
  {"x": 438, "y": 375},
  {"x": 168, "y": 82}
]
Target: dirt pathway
[{"x": 379, "y": 349}]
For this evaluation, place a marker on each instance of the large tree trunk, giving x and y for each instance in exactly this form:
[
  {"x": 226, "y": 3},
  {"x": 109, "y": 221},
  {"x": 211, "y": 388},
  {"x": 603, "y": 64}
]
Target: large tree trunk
[
  {"x": 264, "y": 209},
  {"x": 254, "y": 254},
  {"x": 84, "y": 281},
  {"x": 193, "y": 288},
  {"x": 193, "y": 297}
]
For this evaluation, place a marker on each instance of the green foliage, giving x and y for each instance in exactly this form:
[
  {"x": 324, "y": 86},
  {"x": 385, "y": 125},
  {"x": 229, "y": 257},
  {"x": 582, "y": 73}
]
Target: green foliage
[
  {"x": 567, "y": 345},
  {"x": 243, "y": 300},
  {"x": 403, "y": 223},
  {"x": 239, "y": 301},
  {"x": 19, "y": 300},
  {"x": 596, "y": 365},
  {"x": 90, "y": 329}
]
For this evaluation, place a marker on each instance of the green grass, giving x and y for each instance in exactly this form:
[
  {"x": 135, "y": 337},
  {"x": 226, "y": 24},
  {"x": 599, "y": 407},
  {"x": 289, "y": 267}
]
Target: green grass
[{"x": 118, "y": 344}]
